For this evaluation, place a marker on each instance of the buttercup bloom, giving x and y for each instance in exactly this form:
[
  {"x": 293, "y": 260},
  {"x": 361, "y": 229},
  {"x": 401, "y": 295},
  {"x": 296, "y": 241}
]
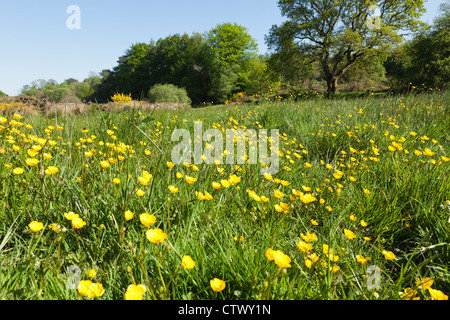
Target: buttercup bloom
[
  {"x": 18, "y": 171},
  {"x": 389, "y": 255},
  {"x": 135, "y": 292},
  {"x": 147, "y": 219},
  {"x": 90, "y": 289},
  {"x": 187, "y": 262},
  {"x": 78, "y": 223},
  {"x": 36, "y": 226},
  {"x": 217, "y": 285},
  {"x": 128, "y": 215},
  {"x": 156, "y": 235}
]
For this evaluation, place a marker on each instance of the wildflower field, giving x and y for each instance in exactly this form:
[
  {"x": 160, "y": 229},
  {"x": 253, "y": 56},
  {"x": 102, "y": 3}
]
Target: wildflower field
[{"x": 93, "y": 207}]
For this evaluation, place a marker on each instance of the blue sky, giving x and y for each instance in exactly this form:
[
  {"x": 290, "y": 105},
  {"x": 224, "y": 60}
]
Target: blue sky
[{"x": 36, "y": 43}]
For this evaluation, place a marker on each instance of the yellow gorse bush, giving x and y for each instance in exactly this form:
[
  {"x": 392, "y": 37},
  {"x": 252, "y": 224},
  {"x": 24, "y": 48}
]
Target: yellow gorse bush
[{"x": 120, "y": 98}]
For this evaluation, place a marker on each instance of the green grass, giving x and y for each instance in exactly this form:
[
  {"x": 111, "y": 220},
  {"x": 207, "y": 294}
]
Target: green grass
[{"x": 406, "y": 211}]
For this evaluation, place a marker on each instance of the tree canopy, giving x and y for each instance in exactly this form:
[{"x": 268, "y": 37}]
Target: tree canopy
[{"x": 338, "y": 33}]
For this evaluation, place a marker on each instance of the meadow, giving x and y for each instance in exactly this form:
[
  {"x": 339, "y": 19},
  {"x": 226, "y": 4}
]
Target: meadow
[{"x": 92, "y": 206}]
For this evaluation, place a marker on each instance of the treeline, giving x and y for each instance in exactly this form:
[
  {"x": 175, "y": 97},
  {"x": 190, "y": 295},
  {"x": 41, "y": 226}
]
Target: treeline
[
  {"x": 423, "y": 62},
  {"x": 224, "y": 63}
]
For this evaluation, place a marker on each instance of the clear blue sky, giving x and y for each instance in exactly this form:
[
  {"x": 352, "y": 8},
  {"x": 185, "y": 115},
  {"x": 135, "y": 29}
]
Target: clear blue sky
[{"x": 36, "y": 43}]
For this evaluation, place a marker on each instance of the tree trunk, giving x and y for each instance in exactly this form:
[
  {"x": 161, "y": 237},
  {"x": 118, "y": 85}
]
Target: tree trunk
[{"x": 332, "y": 86}]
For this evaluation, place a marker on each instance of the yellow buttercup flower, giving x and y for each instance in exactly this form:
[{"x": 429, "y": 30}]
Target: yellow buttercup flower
[
  {"x": 32, "y": 153},
  {"x": 47, "y": 156},
  {"x": 349, "y": 234},
  {"x": 18, "y": 171},
  {"x": 225, "y": 183},
  {"x": 90, "y": 289},
  {"x": 156, "y": 235},
  {"x": 190, "y": 180},
  {"x": 173, "y": 189},
  {"x": 70, "y": 215},
  {"x": 309, "y": 237},
  {"x": 217, "y": 285},
  {"x": 51, "y": 170},
  {"x": 135, "y": 292},
  {"x": 282, "y": 260},
  {"x": 308, "y": 263},
  {"x": 105, "y": 164},
  {"x": 78, "y": 223},
  {"x": 32, "y": 162},
  {"x": 145, "y": 178},
  {"x": 140, "y": 192},
  {"x": 338, "y": 174},
  {"x": 187, "y": 262},
  {"x": 128, "y": 215},
  {"x": 304, "y": 246},
  {"x": 278, "y": 194},
  {"x": 361, "y": 259},
  {"x": 424, "y": 283},
  {"x": 269, "y": 254},
  {"x": 389, "y": 255},
  {"x": 307, "y": 198},
  {"x": 235, "y": 179},
  {"x": 267, "y": 176},
  {"x": 36, "y": 226},
  {"x": 437, "y": 294},
  {"x": 92, "y": 273},
  {"x": 147, "y": 219},
  {"x": 170, "y": 165}
]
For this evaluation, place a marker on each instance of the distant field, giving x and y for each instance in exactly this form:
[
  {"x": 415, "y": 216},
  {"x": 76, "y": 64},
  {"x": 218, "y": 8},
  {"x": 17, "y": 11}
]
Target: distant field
[{"x": 359, "y": 209}]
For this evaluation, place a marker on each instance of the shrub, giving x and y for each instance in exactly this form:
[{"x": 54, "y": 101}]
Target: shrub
[
  {"x": 120, "y": 98},
  {"x": 168, "y": 93}
]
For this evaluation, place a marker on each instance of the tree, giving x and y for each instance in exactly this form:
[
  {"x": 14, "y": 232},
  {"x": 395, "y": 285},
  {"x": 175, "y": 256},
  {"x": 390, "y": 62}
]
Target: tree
[
  {"x": 424, "y": 60},
  {"x": 338, "y": 33},
  {"x": 234, "y": 47},
  {"x": 131, "y": 75},
  {"x": 261, "y": 77}
]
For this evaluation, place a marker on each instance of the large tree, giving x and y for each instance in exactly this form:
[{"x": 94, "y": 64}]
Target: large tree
[
  {"x": 234, "y": 48},
  {"x": 338, "y": 33}
]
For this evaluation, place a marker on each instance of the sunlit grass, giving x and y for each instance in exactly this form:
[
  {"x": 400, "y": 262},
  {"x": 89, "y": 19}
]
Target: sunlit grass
[{"x": 363, "y": 184}]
